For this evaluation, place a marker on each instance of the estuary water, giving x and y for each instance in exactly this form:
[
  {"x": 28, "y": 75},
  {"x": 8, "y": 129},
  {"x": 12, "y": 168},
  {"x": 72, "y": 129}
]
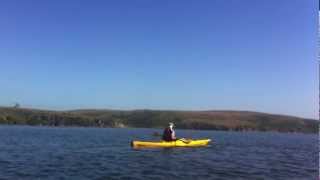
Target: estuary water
[{"x": 105, "y": 153}]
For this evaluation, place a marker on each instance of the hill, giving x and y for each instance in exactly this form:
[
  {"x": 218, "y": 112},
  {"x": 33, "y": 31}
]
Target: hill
[{"x": 209, "y": 120}]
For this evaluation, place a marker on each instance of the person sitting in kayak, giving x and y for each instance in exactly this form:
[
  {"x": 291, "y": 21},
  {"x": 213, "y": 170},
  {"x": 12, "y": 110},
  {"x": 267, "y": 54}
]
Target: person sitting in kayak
[{"x": 169, "y": 134}]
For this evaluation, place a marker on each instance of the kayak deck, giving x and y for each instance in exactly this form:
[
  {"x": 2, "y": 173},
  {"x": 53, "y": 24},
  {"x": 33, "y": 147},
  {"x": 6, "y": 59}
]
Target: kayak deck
[{"x": 177, "y": 143}]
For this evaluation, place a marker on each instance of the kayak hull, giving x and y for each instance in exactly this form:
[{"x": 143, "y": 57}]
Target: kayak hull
[{"x": 177, "y": 143}]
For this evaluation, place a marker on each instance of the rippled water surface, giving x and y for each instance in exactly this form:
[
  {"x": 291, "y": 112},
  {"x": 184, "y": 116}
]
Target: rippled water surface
[{"x": 102, "y": 153}]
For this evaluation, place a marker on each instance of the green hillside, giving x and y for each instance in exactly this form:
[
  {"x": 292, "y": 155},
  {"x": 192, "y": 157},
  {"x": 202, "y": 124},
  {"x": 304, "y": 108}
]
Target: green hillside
[{"x": 209, "y": 120}]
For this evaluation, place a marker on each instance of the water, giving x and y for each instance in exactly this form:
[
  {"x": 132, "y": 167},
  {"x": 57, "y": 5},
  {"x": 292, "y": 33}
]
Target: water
[{"x": 94, "y": 153}]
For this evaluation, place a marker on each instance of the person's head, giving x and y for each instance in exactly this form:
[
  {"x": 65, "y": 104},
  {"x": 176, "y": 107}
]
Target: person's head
[{"x": 171, "y": 125}]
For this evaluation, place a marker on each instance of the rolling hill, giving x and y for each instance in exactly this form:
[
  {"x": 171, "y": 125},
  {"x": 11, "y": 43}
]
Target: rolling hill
[{"x": 208, "y": 120}]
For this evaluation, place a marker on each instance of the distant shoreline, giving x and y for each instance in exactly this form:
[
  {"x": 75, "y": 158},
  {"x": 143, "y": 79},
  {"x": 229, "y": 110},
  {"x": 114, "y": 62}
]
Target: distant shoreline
[
  {"x": 198, "y": 120},
  {"x": 157, "y": 129}
]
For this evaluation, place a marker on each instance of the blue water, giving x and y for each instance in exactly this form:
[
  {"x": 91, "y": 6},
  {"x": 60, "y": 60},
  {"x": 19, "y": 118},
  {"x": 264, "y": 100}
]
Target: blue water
[{"x": 103, "y": 153}]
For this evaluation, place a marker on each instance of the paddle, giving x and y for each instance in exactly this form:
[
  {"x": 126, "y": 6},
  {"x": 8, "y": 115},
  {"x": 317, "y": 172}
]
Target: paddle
[
  {"x": 184, "y": 140},
  {"x": 187, "y": 141}
]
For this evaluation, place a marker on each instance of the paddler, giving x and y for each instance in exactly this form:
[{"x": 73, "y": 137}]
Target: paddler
[{"x": 169, "y": 134}]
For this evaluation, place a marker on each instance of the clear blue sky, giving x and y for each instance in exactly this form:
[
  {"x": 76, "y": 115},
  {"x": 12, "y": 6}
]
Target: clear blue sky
[{"x": 182, "y": 54}]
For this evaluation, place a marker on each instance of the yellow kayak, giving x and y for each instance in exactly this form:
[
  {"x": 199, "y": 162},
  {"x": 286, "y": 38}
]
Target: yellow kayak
[{"x": 177, "y": 143}]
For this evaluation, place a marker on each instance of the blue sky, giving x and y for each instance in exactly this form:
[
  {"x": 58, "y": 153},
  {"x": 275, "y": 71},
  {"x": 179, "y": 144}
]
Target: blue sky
[{"x": 183, "y": 54}]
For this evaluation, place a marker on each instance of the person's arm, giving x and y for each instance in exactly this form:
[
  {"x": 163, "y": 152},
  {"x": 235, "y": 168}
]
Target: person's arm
[{"x": 173, "y": 134}]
